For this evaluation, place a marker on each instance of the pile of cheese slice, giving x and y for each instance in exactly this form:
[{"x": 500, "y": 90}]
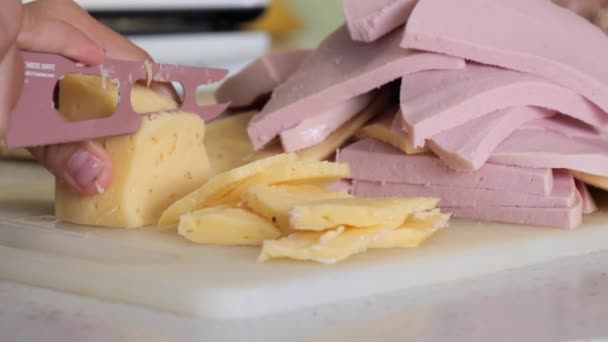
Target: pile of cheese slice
[{"x": 283, "y": 204}]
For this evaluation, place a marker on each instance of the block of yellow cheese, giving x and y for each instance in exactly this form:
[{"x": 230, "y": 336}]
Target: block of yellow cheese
[
  {"x": 226, "y": 188},
  {"x": 153, "y": 168},
  {"x": 416, "y": 229},
  {"x": 382, "y": 129},
  {"x": 227, "y": 226},
  {"x": 227, "y": 143},
  {"x": 275, "y": 202},
  {"x": 165, "y": 160},
  {"x": 327, "y": 247},
  {"x": 356, "y": 212}
]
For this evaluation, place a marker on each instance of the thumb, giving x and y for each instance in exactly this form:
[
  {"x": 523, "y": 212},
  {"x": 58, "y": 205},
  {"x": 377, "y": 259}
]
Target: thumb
[
  {"x": 11, "y": 81},
  {"x": 85, "y": 166}
]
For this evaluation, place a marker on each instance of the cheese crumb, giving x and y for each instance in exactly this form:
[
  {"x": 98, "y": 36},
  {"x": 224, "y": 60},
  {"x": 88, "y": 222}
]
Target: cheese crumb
[
  {"x": 104, "y": 76},
  {"x": 99, "y": 188},
  {"x": 149, "y": 76}
]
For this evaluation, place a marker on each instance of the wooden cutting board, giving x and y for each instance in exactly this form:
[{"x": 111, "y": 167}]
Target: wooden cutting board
[{"x": 158, "y": 269}]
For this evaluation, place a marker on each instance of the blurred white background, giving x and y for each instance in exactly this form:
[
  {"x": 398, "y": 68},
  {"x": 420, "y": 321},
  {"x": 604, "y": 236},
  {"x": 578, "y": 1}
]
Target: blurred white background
[{"x": 285, "y": 24}]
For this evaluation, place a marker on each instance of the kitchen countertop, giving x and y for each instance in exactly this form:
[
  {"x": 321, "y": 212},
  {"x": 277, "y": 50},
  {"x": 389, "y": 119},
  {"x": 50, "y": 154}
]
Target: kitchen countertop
[{"x": 566, "y": 300}]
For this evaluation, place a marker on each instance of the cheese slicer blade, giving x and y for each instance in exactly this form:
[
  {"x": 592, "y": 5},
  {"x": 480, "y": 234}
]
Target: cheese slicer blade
[{"x": 35, "y": 121}]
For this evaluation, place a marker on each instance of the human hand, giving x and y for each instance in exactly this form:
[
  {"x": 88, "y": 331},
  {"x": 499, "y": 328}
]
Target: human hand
[
  {"x": 63, "y": 27},
  {"x": 11, "y": 76}
]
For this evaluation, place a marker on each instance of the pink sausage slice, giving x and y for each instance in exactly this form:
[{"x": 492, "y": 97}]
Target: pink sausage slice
[
  {"x": 566, "y": 126},
  {"x": 372, "y": 160},
  {"x": 468, "y": 147},
  {"x": 545, "y": 148},
  {"x": 369, "y": 20},
  {"x": 567, "y": 218},
  {"x": 339, "y": 70},
  {"x": 316, "y": 129},
  {"x": 563, "y": 194},
  {"x": 258, "y": 79},
  {"x": 436, "y": 101},
  {"x": 558, "y": 217},
  {"x": 538, "y": 37}
]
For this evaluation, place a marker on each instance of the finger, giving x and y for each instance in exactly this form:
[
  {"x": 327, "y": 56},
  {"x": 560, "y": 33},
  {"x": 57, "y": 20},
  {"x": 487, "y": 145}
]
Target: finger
[
  {"x": 37, "y": 35},
  {"x": 85, "y": 167},
  {"x": 11, "y": 81},
  {"x": 11, "y": 66},
  {"x": 10, "y": 22},
  {"x": 115, "y": 45},
  {"x": 54, "y": 36}
]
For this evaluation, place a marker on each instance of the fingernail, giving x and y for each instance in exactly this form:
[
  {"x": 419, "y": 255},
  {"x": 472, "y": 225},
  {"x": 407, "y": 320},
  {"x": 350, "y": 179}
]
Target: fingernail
[{"x": 84, "y": 168}]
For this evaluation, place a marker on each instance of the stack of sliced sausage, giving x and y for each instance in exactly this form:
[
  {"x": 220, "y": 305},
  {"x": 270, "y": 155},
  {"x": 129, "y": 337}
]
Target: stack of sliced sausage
[{"x": 501, "y": 110}]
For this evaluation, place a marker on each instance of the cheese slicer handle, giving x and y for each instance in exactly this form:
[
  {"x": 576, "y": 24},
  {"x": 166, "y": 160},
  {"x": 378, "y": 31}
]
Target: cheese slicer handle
[{"x": 36, "y": 122}]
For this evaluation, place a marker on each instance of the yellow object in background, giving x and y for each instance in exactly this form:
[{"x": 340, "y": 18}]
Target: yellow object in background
[
  {"x": 278, "y": 19},
  {"x": 299, "y": 23}
]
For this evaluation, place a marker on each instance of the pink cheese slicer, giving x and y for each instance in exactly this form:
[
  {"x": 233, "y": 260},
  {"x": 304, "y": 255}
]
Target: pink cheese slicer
[{"x": 35, "y": 121}]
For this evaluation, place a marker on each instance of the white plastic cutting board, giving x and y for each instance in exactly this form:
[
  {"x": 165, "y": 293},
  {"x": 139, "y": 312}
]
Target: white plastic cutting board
[{"x": 159, "y": 269}]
